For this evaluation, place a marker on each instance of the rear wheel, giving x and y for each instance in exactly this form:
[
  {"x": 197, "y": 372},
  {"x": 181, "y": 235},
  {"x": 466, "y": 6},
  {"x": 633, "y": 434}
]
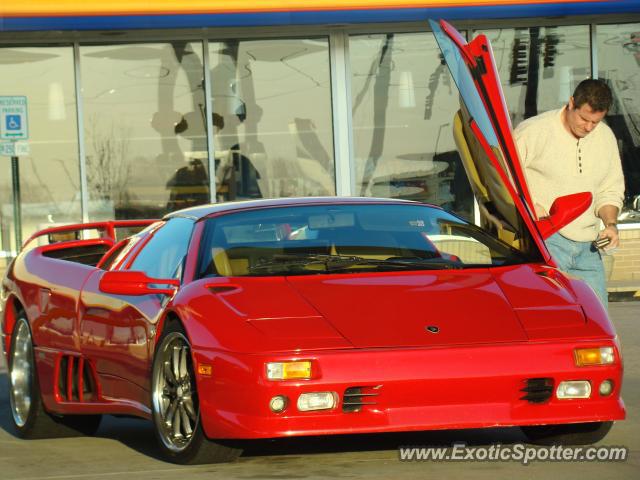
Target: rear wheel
[
  {"x": 176, "y": 412},
  {"x": 567, "y": 434},
  {"x": 30, "y": 419}
]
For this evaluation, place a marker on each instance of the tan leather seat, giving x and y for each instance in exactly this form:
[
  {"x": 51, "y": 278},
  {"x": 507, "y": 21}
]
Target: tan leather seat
[{"x": 221, "y": 262}]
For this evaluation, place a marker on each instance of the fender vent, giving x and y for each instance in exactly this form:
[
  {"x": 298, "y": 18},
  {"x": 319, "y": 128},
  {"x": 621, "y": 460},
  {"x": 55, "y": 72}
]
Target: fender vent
[
  {"x": 537, "y": 390},
  {"x": 355, "y": 398},
  {"x": 76, "y": 382}
]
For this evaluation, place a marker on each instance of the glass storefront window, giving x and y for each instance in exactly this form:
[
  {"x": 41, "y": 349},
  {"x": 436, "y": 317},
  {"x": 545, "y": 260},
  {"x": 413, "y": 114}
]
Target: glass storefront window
[
  {"x": 540, "y": 67},
  {"x": 49, "y": 174},
  {"x": 619, "y": 64},
  {"x": 7, "y": 234},
  {"x": 404, "y": 102},
  {"x": 145, "y": 119},
  {"x": 144, "y": 124},
  {"x": 272, "y": 118}
]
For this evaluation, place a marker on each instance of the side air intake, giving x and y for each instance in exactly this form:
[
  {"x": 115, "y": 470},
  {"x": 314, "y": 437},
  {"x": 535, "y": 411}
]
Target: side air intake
[{"x": 76, "y": 382}]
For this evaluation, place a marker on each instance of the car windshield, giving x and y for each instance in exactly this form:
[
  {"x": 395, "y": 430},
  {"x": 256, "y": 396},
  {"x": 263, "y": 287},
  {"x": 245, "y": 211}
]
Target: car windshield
[{"x": 347, "y": 238}]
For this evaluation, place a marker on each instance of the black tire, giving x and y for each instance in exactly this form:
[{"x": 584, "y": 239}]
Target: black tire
[
  {"x": 174, "y": 390},
  {"x": 567, "y": 434},
  {"x": 28, "y": 415}
]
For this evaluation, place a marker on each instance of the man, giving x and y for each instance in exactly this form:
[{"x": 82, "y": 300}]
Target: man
[{"x": 568, "y": 151}]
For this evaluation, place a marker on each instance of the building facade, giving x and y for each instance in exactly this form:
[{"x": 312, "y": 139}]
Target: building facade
[{"x": 138, "y": 110}]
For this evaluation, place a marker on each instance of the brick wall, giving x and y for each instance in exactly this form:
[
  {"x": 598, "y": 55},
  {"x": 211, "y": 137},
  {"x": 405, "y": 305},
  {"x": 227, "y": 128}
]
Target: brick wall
[{"x": 626, "y": 259}]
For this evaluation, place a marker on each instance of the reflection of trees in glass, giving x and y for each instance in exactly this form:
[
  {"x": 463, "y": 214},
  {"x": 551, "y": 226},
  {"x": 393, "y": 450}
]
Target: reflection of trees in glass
[
  {"x": 272, "y": 112},
  {"x": 108, "y": 168},
  {"x": 534, "y": 53},
  {"x": 619, "y": 57},
  {"x": 36, "y": 188},
  {"x": 42, "y": 192},
  {"x": 380, "y": 103},
  {"x": 434, "y": 80}
]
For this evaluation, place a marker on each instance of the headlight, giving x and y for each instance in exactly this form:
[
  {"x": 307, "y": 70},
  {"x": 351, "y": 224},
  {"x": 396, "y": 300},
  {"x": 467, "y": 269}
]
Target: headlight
[
  {"x": 573, "y": 389},
  {"x": 298, "y": 370},
  {"x": 317, "y": 401},
  {"x": 585, "y": 357}
]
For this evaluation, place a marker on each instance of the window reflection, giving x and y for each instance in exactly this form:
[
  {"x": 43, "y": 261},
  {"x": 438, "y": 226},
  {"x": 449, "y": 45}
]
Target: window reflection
[
  {"x": 403, "y": 105},
  {"x": 272, "y": 118},
  {"x": 49, "y": 175},
  {"x": 540, "y": 66},
  {"x": 144, "y": 128},
  {"x": 619, "y": 64}
]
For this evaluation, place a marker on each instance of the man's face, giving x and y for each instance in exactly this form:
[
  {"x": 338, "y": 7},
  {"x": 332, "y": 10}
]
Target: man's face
[{"x": 581, "y": 121}]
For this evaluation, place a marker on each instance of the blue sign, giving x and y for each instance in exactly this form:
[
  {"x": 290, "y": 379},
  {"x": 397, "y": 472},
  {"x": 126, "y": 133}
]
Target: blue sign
[
  {"x": 13, "y": 118},
  {"x": 14, "y": 122}
]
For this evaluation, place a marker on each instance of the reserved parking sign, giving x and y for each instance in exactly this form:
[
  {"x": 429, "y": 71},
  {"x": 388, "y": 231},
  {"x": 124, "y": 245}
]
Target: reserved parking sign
[{"x": 13, "y": 118}]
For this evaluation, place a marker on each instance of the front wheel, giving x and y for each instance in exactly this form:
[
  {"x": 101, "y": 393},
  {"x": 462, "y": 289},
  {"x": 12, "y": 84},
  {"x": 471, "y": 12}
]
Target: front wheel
[
  {"x": 30, "y": 419},
  {"x": 567, "y": 434},
  {"x": 176, "y": 412}
]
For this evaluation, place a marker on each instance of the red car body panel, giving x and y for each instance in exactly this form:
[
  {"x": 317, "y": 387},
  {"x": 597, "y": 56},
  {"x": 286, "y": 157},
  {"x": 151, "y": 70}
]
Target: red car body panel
[
  {"x": 495, "y": 329},
  {"x": 416, "y": 389}
]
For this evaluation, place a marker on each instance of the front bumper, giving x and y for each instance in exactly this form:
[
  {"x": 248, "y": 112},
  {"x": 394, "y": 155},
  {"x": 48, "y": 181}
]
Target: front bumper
[{"x": 413, "y": 389}]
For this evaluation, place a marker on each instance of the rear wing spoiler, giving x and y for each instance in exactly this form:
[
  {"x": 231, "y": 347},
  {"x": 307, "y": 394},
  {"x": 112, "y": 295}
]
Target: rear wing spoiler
[{"x": 106, "y": 230}]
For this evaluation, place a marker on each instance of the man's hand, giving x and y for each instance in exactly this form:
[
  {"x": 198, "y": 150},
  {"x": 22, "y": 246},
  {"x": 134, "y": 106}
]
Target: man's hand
[
  {"x": 609, "y": 215},
  {"x": 611, "y": 232}
]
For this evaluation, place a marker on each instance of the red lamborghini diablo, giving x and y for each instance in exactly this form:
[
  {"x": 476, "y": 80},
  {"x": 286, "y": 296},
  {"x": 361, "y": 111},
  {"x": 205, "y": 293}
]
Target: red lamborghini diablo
[{"x": 315, "y": 316}]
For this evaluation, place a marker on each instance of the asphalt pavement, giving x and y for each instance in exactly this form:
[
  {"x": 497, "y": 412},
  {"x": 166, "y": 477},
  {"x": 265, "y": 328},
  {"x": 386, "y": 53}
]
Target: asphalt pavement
[{"x": 124, "y": 448}]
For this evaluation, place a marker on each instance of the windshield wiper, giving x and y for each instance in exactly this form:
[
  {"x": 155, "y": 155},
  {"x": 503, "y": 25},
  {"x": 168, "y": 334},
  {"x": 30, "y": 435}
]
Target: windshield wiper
[
  {"x": 300, "y": 260},
  {"x": 340, "y": 262}
]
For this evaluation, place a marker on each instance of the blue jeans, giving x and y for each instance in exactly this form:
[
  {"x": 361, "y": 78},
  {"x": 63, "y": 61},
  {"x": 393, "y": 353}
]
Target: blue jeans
[{"x": 580, "y": 259}]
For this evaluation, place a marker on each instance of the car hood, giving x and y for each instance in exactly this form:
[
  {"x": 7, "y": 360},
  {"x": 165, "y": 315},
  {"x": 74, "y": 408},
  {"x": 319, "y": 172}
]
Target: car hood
[
  {"x": 528, "y": 302},
  {"x": 414, "y": 309}
]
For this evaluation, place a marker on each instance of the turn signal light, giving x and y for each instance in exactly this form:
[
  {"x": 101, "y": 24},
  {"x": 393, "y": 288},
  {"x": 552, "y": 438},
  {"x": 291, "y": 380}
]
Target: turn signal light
[
  {"x": 299, "y": 370},
  {"x": 594, "y": 356}
]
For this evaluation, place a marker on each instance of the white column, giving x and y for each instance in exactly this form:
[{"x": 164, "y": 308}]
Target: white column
[
  {"x": 209, "y": 123},
  {"x": 341, "y": 108},
  {"x": 84, "y": 188}
]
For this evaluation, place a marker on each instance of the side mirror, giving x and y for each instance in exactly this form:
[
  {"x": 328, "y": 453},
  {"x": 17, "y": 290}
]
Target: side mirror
[
  {"x": 123, "y": 282},
  {"x": 563, "y": 211}
]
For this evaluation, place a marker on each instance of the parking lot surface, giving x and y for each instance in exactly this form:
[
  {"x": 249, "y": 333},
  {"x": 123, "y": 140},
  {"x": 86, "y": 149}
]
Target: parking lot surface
[{"x": 124, "y": 449}]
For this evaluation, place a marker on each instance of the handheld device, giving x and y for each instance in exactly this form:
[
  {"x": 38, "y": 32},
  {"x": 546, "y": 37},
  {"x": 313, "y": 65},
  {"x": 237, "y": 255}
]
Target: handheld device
[{"x": 601, "y": 242}]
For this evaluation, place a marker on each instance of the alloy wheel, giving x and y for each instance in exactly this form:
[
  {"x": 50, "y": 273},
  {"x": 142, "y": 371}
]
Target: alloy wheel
[
  {"x": 175, "y": 402},
  {"x": 20, "y": 375}
]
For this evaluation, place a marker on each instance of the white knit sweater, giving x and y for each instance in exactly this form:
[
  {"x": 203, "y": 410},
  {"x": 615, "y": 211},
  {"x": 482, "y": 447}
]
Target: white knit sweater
[{"x": 556, "y": 163}]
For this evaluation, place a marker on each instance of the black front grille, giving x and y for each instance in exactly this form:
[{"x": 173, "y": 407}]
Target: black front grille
[
  {"x": 355, "y": 398},
  {"x": 537, "y": 390}
]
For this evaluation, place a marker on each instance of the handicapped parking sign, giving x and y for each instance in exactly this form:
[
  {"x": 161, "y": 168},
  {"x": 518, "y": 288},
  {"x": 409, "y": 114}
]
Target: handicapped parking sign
[
  {"x": 13, "y": 118},
  {"x": 14, "y": 122}
]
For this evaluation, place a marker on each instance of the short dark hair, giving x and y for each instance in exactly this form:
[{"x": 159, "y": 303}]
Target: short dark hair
[{"x": 595, "y": 93}]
